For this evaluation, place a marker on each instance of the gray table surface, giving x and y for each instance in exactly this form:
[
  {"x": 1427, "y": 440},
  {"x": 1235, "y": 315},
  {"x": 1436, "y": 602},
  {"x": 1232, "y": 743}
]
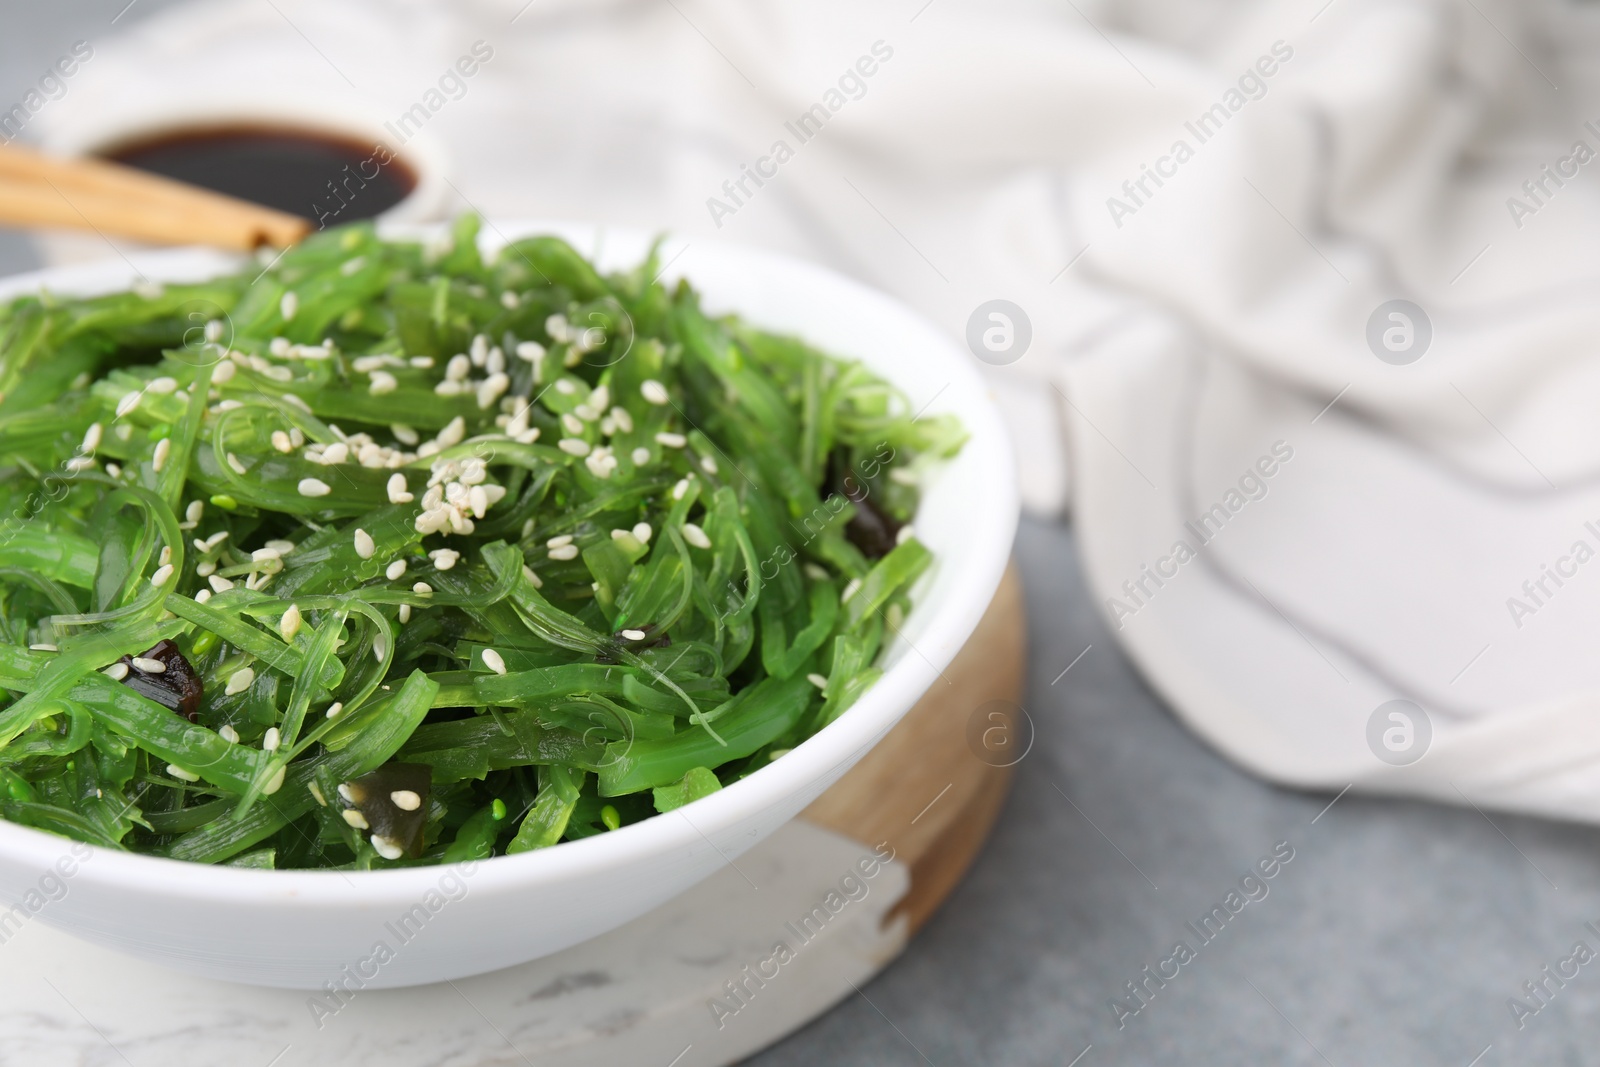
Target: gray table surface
[{"x": 1395, "y": 935}]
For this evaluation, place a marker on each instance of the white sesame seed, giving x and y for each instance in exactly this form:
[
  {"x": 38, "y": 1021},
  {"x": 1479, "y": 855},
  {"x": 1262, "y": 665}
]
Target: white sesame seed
[
  {"x": 557, "y": 542},
  {"x": 202, "y": 596},
  {"x": 494, "y": 661},
  {"x": 642, "y": 531},
  {"x": 337, "y": 452},
  {"x": 91, "y": 438},
  {"x": 355, "y": 818},
  {"x": 281, "y": 442},
  {"x": 458, "y": 368},
  {"x": 289, "y": 623},
  {"x": 195, "y": 511},
  {"x": 240, "y": 680},
  {"x": 80, "y": 463},
  {"x": 224, "y": 373},
  {"x": 490, "y": 389},
  {"x": 404, "y": 434},
  {"x": 334, "y": 709},
  {"x": 572, "y": 424},
  {"x": 275, "y": 783},
  {"x": 815, "y": 573},
  {"x": 219, "y": 583},
  {"x": 166, "y": 556},
  {"x": 817, "y": 680},
  {"x": 496, "y": 363},
  {"x": 398, "y": 493},
  {"x": 395, "y": 569},
  {"x": 671, "y": 440},
  {"x": 116, "y": 672},
  {"x": 405, "y": 800},
  {"x": 288, "y": 305},
  {"x": 530, "y": 351},
  {"x": 265, "y": 555},
  {"x": 149, "y": 666},
  {"x": 314, "y": 487},
  {"x": 422, "y": 589},
  {"x": 213, "y": 541},
  {"x": 565, "y": 552},
  {"x": 453, "y": 432},
  {"x": 478, "y": 500},
  {"x": 573, "y": 446},
  {"x": 404, "y": 614},
  {"x": 479, "y": 350},
  {"x": 850, "y": 590},
  {"x": 708, "y": 464},
  {"x": 695, "y": 536},
  {"x": 680, "y": 488},
  {"x": 163, "y": 450},
  {"x": 381, "y": 382},
  {"x": 233, "y": 461},
  {"x": 641, "y": 456},
  {"x": 654, "y": 391},
  {"x": 633, "y": 635},
  {"x": 565, "y": 387},
  {"x": 388, "y": 848},
  {"x": 271, "y": 740},
  {"x": 162, "y": 575},
  {"x": 365, "y": 546},
  {"x": 162, "y": 385},
  {"x": 508, "y": 299},
  {"x": 43, "y": 646},
  {"x": 128, "y": 403},
  {"x": 444, "y": 558},
  {"x": 278, "y": 346},
  {"x": 179, "y": 773},
  {"x": 533, "y": 579},
  {"x": 448, "y": 387},
  {"x": 623, "y": 420},
  {"x": 617, "y": 535},
  {"x": 298, "y": 401},
  {"x": 229, "y": 734}
]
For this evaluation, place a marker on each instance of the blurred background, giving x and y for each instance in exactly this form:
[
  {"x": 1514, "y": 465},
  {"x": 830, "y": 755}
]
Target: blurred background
[{"x": 1367, "y": 267}]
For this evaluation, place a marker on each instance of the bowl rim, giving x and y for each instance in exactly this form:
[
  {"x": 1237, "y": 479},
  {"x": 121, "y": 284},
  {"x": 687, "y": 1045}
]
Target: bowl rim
[{"x": 822, "y": 757}]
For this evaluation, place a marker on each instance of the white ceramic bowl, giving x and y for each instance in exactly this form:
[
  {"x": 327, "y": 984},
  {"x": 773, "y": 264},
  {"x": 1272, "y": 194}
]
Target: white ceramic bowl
[{"x": 303, "y": 929}]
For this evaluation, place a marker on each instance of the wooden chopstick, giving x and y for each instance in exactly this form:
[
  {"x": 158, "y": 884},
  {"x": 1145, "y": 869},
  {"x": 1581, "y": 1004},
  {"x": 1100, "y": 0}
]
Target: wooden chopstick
[{"x": 41, "y": 190}]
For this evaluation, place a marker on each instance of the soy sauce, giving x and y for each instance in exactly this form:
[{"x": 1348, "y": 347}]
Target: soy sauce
[{"x": 323, "y": 177}]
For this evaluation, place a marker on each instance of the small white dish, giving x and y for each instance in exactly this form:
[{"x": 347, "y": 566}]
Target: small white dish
[{"x": 302, "y": 929}]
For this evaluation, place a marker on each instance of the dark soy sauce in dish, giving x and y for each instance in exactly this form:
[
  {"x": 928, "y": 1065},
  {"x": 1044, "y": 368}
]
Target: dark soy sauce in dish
[{"x": 324, "y": 177}]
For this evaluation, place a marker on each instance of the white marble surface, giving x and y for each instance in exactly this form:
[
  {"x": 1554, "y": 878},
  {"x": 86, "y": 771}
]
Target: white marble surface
[{"x": 643, "y": 994}]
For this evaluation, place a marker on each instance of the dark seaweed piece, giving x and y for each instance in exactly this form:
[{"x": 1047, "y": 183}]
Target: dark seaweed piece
[
  {"x": 178, "y": 688},
  {"x": 870, "y": 529},
  {"x": 394, "y": 802}
]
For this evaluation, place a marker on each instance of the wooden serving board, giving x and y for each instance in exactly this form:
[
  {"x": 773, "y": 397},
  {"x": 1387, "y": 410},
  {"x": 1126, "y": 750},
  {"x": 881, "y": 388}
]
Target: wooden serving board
[{"x": 678, "y": 987}]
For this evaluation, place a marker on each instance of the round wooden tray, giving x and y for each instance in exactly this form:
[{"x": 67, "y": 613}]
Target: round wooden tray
[{"x": 700, "y": 982}]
